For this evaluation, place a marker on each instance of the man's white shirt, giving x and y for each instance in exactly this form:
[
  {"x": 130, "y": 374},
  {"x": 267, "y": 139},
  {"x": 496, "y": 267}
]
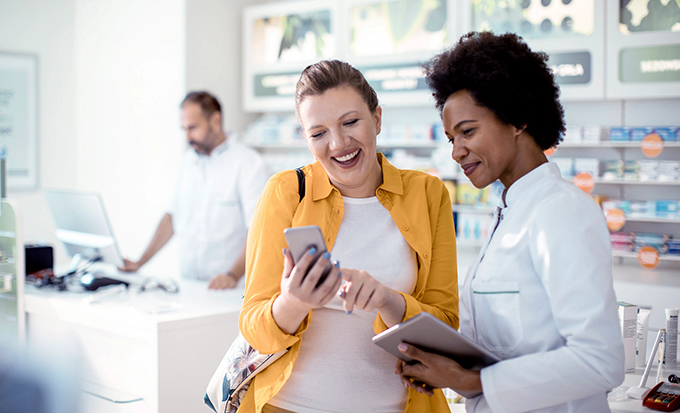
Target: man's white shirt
[{"x": 213, "y": 205}]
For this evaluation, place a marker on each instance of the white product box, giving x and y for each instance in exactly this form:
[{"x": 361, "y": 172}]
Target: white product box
[
  {"x": 591, "y": 134},
  {"x": 589, "y": 165},
  {"x": 628, "y": 320}
]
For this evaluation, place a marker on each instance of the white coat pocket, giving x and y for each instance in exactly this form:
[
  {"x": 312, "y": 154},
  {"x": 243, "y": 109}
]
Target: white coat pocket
[{"x": 497, "y": 316}]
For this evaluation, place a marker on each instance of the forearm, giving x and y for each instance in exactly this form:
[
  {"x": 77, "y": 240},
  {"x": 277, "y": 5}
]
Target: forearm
[
  {"x": 288, "y": 315},
  {"x": 163, "y": 234},
  {"x": 393, "y": 311},
  {"x": 239, "y": 266}
]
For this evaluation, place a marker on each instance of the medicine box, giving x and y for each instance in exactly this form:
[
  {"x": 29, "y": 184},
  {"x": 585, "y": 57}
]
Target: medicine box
[
  {"x": 668, "y": 134},
  {"x": 639, "y": 134},
  {"x": 628, "y": 322},
  {"x": 619, "y": 134}
]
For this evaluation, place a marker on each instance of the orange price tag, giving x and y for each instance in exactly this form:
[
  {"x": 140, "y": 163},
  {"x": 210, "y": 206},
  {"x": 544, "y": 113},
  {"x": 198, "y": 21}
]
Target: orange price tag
[
  {"x": 652, "y": 145},
  {"x": 616, "y": 219},
  {"x": 648, "y": 257},
  {"x": 550, "y": 151},
  {"x": 584, "y": 181}
]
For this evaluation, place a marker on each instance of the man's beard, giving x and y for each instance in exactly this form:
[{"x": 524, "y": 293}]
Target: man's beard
[{"x": 205, "y": 147}]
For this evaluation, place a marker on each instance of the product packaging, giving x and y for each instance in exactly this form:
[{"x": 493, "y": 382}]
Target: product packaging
[
  {"x": 667, "y": 208},
  {"x": 668, "y": 134},
  {"x": 669, "y": 171},
  {"x": 573, "y": 135},
  {"x": 628, "y": 322},
  {"x": 673, "y": 247},
  {"x": 642, "y": 209},
  {"x": 638, "y": 134},
  {"x": 619, "y": 134},
  {"x": 587, "y": 165},
  {"x": 641, "y": 342},
  {"x": 566, "y": 166},
  {"x": 649, "y": 170},
  {"x": 671, "y": 345},
  {"x": 612, "y": 170},
  {"x": 631, "y": 170},
  {"x": 591, "y": 134}
]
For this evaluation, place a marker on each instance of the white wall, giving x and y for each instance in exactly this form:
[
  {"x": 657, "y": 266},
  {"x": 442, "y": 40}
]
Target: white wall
[
  {"x": 214, "y": 55},
  {"x": 130, "y": 68},
  {"x": 45, "y": 28}
]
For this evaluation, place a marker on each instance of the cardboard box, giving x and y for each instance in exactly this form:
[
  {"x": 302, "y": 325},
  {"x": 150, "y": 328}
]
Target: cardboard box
[{"x": 628, "y": 322}]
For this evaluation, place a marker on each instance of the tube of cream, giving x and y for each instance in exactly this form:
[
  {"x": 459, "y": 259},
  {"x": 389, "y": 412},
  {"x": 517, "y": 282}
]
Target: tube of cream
[
  {"x": 641, "y": 342},
  {"x": 671, "y": 344}
]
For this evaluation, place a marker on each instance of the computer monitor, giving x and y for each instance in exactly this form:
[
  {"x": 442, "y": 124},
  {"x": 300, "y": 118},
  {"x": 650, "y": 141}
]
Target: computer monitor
[{"x": 82, "y": 225}]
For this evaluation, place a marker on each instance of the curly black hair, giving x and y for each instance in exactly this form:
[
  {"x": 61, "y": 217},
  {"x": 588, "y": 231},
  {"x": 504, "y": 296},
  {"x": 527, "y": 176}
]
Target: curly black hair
[{"x": 505, "y": 76}]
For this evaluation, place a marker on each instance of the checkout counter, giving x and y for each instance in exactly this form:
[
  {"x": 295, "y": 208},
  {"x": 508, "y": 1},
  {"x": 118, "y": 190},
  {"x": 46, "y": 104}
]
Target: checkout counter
[{"x": 149, "y": 351}]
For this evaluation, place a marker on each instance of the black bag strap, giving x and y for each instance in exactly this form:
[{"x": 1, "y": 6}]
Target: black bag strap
[{"x": 301, "y": 182}]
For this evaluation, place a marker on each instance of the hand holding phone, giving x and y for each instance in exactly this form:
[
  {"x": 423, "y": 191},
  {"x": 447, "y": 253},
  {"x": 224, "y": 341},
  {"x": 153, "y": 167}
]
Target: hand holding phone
[{"x": 301, "y": 239}]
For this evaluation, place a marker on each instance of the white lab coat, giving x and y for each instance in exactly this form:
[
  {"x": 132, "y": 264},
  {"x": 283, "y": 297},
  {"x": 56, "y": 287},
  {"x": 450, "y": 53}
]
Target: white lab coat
[
  {"x": 213, "y": 205},
  {"x": 540, "y": 297}
]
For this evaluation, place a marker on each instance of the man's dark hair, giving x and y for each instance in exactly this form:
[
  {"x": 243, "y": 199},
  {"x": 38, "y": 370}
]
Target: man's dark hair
[
  {"x": 505, "y": 76},
  {"x": 205, "y": 100}
]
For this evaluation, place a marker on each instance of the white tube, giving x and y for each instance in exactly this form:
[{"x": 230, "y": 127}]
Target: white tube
[
  {"x": 641, "y": 342},
  {"x": 671, "y": 342}
]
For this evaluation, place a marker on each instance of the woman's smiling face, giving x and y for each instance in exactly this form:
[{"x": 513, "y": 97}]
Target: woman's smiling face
[
  {"x": 485, "y": 147},
  {"x": 341, "y": 133}
]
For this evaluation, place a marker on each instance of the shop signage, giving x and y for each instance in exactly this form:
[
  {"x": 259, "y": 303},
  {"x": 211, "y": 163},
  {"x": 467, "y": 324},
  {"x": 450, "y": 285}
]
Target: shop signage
[
  {"x": 616, "y": 219},
  {"x": 275, "y": 84},
  {"x": 395, "y": 78},
  {"x": 652, "y": 145},
  {"x": 571, "y": 68},
  {"x": 650, "y": 64},
  {"x": 648, "y": 257},
  {"x": 584, "y": 181}
]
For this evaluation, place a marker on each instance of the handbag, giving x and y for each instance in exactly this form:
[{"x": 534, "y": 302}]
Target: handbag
[{"x": 241, "y": 363}]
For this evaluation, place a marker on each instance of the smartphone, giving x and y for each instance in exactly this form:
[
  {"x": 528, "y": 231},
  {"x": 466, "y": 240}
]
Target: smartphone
[{"x": 301, "y": 239}]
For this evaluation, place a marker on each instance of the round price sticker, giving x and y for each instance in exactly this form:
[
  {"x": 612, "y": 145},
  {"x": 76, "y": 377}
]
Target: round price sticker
[
  {"x": 616, "y": 219},
  {"x": 652, "y": 145},
  {"x": 648, "y": 257},
  {"x": 584, "y": 181}
]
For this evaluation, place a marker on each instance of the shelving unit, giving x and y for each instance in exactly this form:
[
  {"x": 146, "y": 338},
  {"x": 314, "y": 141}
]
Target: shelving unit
[{"x": 12, "y": 315}]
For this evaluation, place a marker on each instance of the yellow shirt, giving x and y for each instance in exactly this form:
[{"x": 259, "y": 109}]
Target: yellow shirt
[{"x": 419, "y": 205}]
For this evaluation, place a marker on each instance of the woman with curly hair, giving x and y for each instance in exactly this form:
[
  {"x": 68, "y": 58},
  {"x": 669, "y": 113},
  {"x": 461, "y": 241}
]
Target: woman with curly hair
[{"x": 540, "y": 295}]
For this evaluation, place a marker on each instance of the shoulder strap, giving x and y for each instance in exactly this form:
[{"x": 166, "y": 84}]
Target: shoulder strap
[{"x": 301, "y": 182}]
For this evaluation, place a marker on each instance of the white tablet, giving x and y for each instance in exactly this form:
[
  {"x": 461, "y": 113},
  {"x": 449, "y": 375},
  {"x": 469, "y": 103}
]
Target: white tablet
[{"x": 429, "y": 333}]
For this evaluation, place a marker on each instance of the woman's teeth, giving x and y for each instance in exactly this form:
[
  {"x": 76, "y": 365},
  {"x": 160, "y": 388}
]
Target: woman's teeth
[{"x": 348, "y": 157}]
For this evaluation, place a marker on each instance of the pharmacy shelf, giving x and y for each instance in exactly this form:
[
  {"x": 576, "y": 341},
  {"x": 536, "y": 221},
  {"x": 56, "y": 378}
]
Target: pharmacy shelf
[
  {"x": 600, "y": 181},
  {"x": 652, "y": 219},
  {"x": 302, "y": 145},
  {"x": 469, "y": 243},
  {"x": 473, "y": 209},
  {"x": 611, "y": 144},
  {"x": 633, "y": 255}
]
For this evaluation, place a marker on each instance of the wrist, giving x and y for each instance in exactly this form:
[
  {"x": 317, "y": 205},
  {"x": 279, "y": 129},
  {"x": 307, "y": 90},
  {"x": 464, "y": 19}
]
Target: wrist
[{"x": 232, "y": 275}]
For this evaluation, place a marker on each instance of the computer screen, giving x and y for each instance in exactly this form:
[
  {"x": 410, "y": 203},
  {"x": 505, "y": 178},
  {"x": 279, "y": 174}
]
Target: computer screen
[{"x": 82, "y": 225}]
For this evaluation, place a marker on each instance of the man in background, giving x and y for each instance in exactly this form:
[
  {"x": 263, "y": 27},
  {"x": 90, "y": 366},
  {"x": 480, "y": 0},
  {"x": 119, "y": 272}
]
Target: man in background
[{"x": 218, "y": 187}]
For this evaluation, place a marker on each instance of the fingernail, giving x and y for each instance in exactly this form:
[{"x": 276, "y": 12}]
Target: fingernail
[
  {"x": 312, "y": 251},
  {"x": 348, "y": 312},
  {"x": 340, "y": 274},
  {"x": 284, "y": 252},
  {"x": 402, "y": 347},
  {"x": 337, "y": 264},
  {"x": 341, "y": 293},
  {"x": 327, "y": 255},
  {"x": 406, "y": 385}
]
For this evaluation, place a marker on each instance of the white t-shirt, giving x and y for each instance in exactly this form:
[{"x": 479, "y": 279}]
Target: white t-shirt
[
  {"x": 339, "y": 369},
  {"x": 540, "y": 297},
  {"x": 213, "y": 205}
]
